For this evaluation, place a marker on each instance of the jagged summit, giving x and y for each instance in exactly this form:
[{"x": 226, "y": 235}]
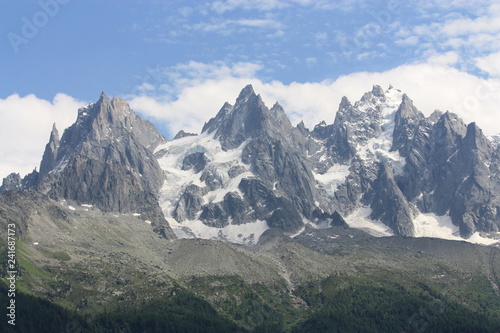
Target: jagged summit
[
  {"x": 245, "y": 93},
  {"x": 406, "y": 122},
  {"x": 54, "y": 131},
  {"x": 378, "y": 91},
  {"x": 475, "y": 139},
  {"x": 106, "y": 159},
  {"x": 248, "y": 118},
  {"x": 407, "y": 109},
  {"x": 181, "y": 134},
  {"x": 344, "y": 104},
  {"x": 381, "y": 165},
  {"x": 261, "y": 180},
  {"x": 50, "y": 154},
  {"x": 420, "y": 162},
  {"x": 279, "y": 119}
]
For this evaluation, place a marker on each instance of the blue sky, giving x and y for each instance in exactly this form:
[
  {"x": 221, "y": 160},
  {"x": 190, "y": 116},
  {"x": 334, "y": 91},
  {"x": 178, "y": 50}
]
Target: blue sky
[
  {"x": 90, "y": 46},
  {"x": 177, "y": 62}
]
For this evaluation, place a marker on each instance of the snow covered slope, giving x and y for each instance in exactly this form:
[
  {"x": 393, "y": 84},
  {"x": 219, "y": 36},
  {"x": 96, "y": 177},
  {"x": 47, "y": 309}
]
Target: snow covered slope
[
  {"x": 362, "y": 166},
  {"x": 382, "y": 166},
  {"x": 219, "y": 167}
]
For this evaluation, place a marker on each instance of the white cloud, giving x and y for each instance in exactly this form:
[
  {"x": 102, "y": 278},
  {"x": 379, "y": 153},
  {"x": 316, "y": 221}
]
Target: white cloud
[
  {"x": 467, "y": 26},
  {"x": 196, "y": 93},
  {"x": 434, "y": 84},
  {"x": 448, "y": 58},
  {"x": 223, "y": 6},
  {"x": 435, "y": 7},
  {"x": 227, "y": 27},
  {"x": 477, "y": 34},
  {"x": 275, "y": 35},
  {"x": 263, "y": 5},
  {"x": 321, "y": 37},
  {"x": 187, "y": 95},
  {"x": 185, "y": 11},
  {"x": 311, "y": 61},
  {"x": 490, "y": 64},
  {"x": 259, "y": 23},
  {"x": 25, "y": 129},
  {"x": 368, "y": 55},
  {"x": 409, "y": 41}
]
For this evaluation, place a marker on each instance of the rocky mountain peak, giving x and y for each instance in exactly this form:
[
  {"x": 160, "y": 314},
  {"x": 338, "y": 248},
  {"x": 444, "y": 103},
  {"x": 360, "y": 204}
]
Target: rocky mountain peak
[
  {"x": 406, "y": 122},
  {"x": 120, "y": 104},
  {"x": 246, "y": 93},
  {"x": 103, "y": 97},
  {"x": 407, "y": 109},
  {"x": 11, "y": 183},
  {"x": 264, "y": 176},
  {"x": 250, "y": 165},
  {"x": 182, "y": 134},
  {"x": 279, "y": 119},
  {"x": 390, "y": 205},
  {"x": 105, "y": 111},
  {"x": 248, "y": 118},
  {"x": 302, "y": 126},
  {"x": 215, "y": 123},
  {"x": 277, "y": 108},
  {"x": 449, "y": 129},
  {"x": 378, "y": 91},
  {"x": 344, "y": 104},
  {"x": 435, "y": 116},
  {"x": 376, "y": 94},
  {"x": 50, "y": 154},
  {"x": 475, "y": 139},
  {"x": 54, "y": 134},
  {"x": 106, "y": 159}
]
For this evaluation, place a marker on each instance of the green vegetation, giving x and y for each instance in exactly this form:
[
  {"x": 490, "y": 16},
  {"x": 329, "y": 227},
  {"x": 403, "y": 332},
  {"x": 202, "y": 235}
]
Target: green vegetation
[
  {"x": 382, "y": 302},
  {"x": 389, "y": 304},
  {"x": 252, "y": 306},
  {"x": 113, "y": 275},
  {"x": 179, "y": 312},
  {"x": 35, "y": 314},
  {"x": 60, "y": 255}
]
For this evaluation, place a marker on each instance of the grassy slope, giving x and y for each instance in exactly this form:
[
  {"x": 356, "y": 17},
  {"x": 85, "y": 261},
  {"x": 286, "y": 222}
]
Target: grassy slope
[{"x": 92, "y": 262}]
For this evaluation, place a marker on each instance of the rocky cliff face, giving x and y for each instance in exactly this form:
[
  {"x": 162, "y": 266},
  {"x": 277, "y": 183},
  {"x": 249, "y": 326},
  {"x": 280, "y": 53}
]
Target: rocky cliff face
[
  {"x": 382, "y": 153},
  {"x": 50, "y": 154},
  {"x": 450, "y": 169},
  {"x": 14, "y": 182},
  {"x": 106, "y": 159},
  {"x": 11, "y": 183},
  {"x": 355, "y": 161},
  {"x": 381, "y": 161},
  {"x": 380, "y": 165},
  {"x": 244, "y": 167}
]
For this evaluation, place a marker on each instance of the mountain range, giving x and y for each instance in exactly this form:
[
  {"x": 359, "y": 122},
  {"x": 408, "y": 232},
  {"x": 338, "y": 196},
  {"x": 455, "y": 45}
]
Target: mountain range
[
  {"x": 382, "y": 166},
  {"x": 257, "y": 225}
]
